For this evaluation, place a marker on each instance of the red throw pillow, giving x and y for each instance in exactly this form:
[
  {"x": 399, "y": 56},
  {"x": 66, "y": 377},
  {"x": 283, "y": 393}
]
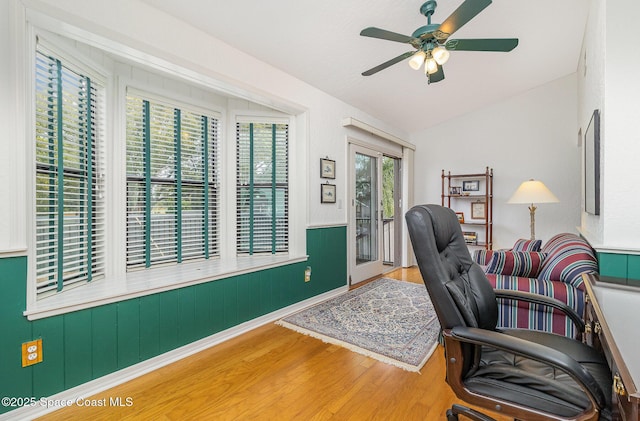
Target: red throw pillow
[
  {"x": 516, "y": 263},
  {"x": 527, "y": 245}
]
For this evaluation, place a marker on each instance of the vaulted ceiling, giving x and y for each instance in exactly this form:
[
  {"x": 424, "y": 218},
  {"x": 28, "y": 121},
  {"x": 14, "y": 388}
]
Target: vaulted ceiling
[{"x": 319, "y": 43}]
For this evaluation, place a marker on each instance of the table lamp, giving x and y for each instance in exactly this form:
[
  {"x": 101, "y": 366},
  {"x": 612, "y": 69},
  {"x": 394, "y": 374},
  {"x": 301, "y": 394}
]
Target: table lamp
[{"x": 533, "y": 191}]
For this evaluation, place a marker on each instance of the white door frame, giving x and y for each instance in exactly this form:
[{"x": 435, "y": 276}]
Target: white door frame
[{"x": 363, "y": 271}]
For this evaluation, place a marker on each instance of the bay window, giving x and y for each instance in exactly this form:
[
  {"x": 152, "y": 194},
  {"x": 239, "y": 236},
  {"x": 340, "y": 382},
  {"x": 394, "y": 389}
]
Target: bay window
[{"x": 137, "y": 188}]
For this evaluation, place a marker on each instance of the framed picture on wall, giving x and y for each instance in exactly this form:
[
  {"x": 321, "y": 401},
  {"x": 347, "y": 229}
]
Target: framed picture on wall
[
  {"x": 327, "y": 168},
  {"x": 592, "y": 165},
  {"x": 327, "y": 193},
  {"x": 460, "y": 216}
]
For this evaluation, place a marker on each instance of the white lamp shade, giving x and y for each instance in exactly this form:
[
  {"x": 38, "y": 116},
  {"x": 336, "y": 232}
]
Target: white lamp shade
[
  {"x": 430, "y": 66},
  {"x": 440, "y": 54},
  {"x": 417, "y": 59},
  {"x": 533, "y": 191}
]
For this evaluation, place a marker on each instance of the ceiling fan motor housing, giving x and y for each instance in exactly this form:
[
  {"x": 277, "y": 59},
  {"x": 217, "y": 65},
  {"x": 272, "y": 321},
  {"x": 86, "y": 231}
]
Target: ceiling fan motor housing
[{"x": 424, "y": 34}]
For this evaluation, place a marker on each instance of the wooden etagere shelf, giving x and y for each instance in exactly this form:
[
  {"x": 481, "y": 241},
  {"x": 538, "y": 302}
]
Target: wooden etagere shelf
[{"x": 471, "y": 197}]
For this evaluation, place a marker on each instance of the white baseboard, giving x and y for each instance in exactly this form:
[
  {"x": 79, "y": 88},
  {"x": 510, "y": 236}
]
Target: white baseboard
[{"x": 85, "y": 390}]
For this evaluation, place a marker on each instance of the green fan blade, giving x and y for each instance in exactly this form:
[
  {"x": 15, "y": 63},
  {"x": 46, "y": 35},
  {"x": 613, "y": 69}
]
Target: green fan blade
[
  {"x": 463, "y": 14},
  {"x": 383, "y": 34},
  {"x": 496, "y": 44},
  {"x": 388, "y": 63},
  {"x": 437, "y": 76}
]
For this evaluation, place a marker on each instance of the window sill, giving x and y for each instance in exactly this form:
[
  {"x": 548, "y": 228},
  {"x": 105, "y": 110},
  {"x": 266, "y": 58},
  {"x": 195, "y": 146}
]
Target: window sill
[{"x": 147, "y": 282}]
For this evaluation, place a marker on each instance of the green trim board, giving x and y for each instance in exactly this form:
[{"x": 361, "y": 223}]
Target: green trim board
[
  {"x": 620, "y": 265},
  {"x": 87, "y": 344}
]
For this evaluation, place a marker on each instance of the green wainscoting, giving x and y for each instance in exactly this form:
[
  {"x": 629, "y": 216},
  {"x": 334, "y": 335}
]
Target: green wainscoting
[
  {"x": 87, "y": 344},
  {"x": 620, "y": 265}
]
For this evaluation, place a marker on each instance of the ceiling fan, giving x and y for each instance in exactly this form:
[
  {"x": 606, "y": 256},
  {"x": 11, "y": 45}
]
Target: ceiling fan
[{"x": 432, "y": 41}]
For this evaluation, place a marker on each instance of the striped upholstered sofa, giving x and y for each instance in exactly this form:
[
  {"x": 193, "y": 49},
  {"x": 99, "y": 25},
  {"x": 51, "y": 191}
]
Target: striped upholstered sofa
[{"x": 554, "y": 270}]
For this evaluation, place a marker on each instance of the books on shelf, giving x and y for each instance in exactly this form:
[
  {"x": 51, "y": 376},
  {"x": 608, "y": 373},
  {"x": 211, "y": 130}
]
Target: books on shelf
[{"x": 470, "y": 237}]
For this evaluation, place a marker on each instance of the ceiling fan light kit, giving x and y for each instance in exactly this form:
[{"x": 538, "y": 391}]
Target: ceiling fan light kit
[{"x": 431, "y": 41}]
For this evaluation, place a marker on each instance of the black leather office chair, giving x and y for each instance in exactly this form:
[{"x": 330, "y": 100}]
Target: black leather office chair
[{"x": 525, "y": 374}]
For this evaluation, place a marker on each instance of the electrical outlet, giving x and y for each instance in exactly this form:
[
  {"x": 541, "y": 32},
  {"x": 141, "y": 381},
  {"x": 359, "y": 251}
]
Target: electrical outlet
[
  {"x": 31, "y": 352},
  {"x": 307, "y": 274}
]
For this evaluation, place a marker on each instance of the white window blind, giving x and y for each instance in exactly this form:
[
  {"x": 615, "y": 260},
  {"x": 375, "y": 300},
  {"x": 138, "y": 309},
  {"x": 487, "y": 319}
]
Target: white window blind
[
  {"x": 172, "y": 186},
  {"x": 69, "y": 192},
  {"x": 262, "y": 187}
]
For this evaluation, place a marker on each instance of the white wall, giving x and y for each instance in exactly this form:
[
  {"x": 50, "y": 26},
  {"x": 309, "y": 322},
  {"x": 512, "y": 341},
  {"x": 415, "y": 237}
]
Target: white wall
[
  {"x": 608, "y": 81},
  {"x": 171, "y": 43},
  {"x": 532, "y": 135},
  {"x": 621, "y": 136}
]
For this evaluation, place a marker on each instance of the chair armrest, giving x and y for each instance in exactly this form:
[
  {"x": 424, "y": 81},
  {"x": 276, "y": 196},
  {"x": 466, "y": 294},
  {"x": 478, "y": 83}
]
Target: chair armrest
[
  {"x": 544, "y": 301},
  {"x": 534, "y": 351}
]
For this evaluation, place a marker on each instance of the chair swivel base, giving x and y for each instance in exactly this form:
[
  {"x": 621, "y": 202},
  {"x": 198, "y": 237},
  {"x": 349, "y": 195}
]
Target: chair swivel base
[{"x": 452, "y": 414}]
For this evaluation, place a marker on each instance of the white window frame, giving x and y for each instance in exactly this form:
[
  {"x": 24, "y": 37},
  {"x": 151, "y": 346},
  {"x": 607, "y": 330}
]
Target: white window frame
[
  {"x": 87, "y": 68},
  {"x": 182, "y": 105},
  {"x": 97, "y": 171},
  {"x": 119, "y": 285},
  {"x": 266, "y": 120}
]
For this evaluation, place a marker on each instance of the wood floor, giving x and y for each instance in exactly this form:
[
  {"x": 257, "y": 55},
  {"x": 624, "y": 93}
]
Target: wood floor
[{"x": 273, "y": 373}]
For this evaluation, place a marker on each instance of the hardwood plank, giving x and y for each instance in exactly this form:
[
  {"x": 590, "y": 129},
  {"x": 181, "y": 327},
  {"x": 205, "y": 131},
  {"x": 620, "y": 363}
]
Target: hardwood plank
[{"x": 273, "y": 373}]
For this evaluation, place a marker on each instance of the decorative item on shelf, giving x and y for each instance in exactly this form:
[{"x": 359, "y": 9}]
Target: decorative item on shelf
[
  {"x": 471, "y": 192},
  {"x": 530, "y": 192},
  {"x": 455, "y": 190},
  {"x": 470, "y": 185},
  {"x": 327, "y": 168},
  {"x": 478, "y": 210},
  {"x": 327, "y": 193},
  {"x": 470, "y": 237}
]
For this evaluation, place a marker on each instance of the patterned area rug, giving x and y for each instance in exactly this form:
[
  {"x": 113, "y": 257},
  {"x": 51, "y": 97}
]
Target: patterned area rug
[{"x": 389, "y": 320}]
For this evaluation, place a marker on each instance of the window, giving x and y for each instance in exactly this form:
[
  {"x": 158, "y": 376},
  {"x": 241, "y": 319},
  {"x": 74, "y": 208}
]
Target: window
[
  {"x": 172, "y": 186},
  {"x": 69, "y": 190},
  {"x": 262, "y": 187},
  {"x": 132, "y": 190}
]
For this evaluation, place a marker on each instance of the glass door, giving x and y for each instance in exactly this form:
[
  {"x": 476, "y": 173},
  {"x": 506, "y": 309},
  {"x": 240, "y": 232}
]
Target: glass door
[
  {"x": 391, "y": 211},
  {"x": 365, "y": 214}
]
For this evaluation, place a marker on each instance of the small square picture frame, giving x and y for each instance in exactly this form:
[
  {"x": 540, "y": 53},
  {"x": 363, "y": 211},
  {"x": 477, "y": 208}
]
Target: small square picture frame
[
  {"x": 455, "y": 191},
  {"x": 460, "y": 216},
  {"x": 327, "y": 168},
  {"x": 478, "y": 210},
  {"x": 470, "y": 185},
  {"x": 327, "y": 193}
]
